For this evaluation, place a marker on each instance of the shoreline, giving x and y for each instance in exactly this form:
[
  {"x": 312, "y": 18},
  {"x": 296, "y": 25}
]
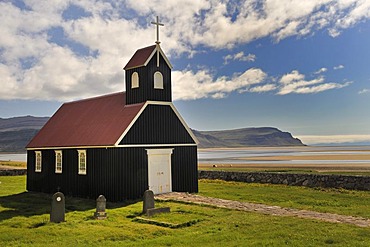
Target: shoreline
[{"x": 365, "y": 148}]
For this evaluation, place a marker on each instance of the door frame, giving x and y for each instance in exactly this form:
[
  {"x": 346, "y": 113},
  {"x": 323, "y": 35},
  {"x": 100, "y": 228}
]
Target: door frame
[{"x": 167, "y": 152}]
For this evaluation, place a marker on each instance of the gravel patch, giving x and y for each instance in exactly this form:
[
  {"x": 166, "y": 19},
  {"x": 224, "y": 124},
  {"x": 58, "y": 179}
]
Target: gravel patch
[{"x": 264, "y": 209}]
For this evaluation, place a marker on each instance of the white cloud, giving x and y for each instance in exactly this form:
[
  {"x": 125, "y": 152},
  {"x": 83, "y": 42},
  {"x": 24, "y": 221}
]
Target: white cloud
[
  {"x": 320, "y": 71},
  {"x": 33, "y": 65},
  {"x": 218, "y": 24},
  {"x": 364, "y": 91},
  {"x": 240, "y": 56},
  {"x": 348, "y": 13},
  {"x": 338, "y": 67},
  {"x": 188, "y": 85},
  {"x": 291, "y": 77},
  {"x": 295, "y": 82},
  {"x": 263, "y": 88}
]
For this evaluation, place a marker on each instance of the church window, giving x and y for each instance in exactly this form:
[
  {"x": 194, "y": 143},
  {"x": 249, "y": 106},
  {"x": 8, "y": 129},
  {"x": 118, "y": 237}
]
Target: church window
[
  {"x": 82, "y": 162},
  {"x": 38, "y": 161},
  {"x": 158, "y": 80},
  {"x": 135, "y": 80},
  {"x": 58, "y": 161}
]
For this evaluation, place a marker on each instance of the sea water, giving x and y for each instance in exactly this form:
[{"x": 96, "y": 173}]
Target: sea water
[
  {"x": 236, "y": 155},
  {"x": 13, "y": 157}
]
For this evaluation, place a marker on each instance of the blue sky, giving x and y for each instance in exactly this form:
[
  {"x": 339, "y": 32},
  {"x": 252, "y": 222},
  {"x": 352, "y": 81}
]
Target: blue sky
[{"x": 300, "y": 66}]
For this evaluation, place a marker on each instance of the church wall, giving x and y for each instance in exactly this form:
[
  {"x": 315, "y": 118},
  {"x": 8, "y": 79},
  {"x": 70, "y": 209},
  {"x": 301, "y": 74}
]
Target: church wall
[
  {"x": 116, "y": 173},
  {"x": 185, "y": 169},
  {"x": 158, "y": 124}
]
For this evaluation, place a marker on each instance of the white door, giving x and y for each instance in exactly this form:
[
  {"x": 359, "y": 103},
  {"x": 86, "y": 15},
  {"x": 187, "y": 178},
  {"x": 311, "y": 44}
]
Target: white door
[{"x": 159, "y": 170}]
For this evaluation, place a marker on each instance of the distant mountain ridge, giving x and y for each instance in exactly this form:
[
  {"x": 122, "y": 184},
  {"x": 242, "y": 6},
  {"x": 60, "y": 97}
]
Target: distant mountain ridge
[
  {"x": 15, "y": 134},
  {"x": 263, "y": 136}
]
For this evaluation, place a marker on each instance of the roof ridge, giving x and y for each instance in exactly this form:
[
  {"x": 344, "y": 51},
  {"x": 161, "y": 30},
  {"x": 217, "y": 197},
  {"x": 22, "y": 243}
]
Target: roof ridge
[
  {"x": 147, "y": 47},
  {"x": 95, "y": 97},
  {"x": 133, "y": 105}
]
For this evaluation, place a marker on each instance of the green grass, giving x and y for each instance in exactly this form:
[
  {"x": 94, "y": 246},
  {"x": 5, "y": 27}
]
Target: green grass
[
  {"x": 24, "y": 221},
  {"x": 340, "y": 201}
]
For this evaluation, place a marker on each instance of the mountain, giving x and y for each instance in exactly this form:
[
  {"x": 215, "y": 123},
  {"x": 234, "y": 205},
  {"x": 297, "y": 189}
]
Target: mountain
[
  {"x": 15, "y": 133},
  {"x": 264, "y": 136}
]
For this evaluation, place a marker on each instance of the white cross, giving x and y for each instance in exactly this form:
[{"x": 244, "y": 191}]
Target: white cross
[{"x": 157, "y": 24}]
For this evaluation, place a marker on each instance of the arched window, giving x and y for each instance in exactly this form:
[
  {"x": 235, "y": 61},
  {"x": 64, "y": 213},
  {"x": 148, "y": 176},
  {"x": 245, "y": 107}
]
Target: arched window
[
  {"x": 135, "y": 80},
  {"x": 158, "y": 80}
]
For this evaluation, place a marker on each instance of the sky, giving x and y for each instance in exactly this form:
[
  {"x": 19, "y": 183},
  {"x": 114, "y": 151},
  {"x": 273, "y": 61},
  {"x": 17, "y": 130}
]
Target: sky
[{"x": 300, "y": 66}]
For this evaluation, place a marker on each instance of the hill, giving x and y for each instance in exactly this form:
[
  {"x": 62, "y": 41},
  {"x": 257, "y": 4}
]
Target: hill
[
  {"x": 264, "y": 136},
  {"x": 15, "y": 133}
]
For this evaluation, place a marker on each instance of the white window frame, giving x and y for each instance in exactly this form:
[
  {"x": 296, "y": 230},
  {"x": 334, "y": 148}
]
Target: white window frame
[
  {"x": 158, "y": 80},
  {"x": 81, "y": 170},
  {"x": 38, "y": 161},
  {"x": 58, "y": 165},
  {"x": 135, "y": 80}
]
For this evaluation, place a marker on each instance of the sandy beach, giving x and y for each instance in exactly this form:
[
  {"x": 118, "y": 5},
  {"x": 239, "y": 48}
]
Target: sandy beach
[{"x": 327, "y": 159}]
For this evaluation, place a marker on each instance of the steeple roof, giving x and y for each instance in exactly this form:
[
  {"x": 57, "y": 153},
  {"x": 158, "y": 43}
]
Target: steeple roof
[{"x": 144, "y": 55}]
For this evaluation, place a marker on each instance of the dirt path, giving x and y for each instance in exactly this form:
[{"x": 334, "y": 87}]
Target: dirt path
[{"x": 265, "y": 209}]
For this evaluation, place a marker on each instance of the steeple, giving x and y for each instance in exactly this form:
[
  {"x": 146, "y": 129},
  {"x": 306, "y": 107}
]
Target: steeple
[{"x": 148, "y": 77}]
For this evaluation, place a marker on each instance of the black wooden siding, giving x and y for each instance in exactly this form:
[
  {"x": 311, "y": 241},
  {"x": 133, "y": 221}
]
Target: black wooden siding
[
  {"x": 116, "y": 173},
  {"x": 158, "y": 124},
  {"x": 146, "y": 90},
  {"x": 185, "y": 169}
]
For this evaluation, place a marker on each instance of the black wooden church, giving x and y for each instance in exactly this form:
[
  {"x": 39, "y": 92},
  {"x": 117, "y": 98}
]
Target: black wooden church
[{"x": 120, "y": 144}]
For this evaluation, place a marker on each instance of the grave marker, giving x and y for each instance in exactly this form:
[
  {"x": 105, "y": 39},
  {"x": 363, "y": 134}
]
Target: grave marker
[
  {"x": 101, "y": 203},
  {"x": 148, "y": 200},
  {"x": 57, "y": 208}
]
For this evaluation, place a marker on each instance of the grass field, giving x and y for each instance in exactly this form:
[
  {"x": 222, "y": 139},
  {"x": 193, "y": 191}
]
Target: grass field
[{"x": 24, "y": 219}]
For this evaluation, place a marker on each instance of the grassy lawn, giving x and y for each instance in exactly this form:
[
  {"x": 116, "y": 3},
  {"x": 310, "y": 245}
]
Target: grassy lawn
[
  {"x": 24, "y": 219},
  {"x": 327, "y": 200}
]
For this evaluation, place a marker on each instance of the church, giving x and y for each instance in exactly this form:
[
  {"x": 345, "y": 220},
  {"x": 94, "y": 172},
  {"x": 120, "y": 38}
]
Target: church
[{"x": 121, "y": 144}]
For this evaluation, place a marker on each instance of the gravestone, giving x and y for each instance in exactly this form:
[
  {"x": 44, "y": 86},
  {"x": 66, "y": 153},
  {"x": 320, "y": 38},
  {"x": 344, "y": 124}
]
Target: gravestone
[
  {"x": 153, "y": 211},
  {"x": 57, "y": 208},
  {"x": 148, "y": 200},
  {"x": 101, "y": 203}
]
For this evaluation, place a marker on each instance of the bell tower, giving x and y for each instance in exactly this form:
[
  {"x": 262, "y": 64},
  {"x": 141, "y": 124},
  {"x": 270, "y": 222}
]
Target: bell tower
[{"x": 148, "y": 74}]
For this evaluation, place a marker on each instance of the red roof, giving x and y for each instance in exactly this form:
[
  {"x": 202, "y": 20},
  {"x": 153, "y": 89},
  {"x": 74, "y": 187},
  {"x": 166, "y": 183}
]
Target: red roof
[
  {"x": 98, "y": 121},
  {"x": 140, "y": 57}
]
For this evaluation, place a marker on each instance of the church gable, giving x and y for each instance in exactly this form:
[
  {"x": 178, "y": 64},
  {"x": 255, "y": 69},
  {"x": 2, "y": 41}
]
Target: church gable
[{"x": 158, "y": 124}]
